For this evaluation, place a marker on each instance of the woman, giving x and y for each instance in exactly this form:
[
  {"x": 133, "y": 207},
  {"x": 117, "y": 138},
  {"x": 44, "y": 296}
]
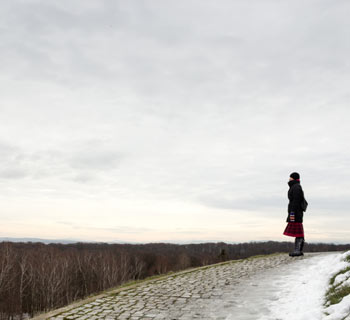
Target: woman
[{"x": 295, "y": 214}]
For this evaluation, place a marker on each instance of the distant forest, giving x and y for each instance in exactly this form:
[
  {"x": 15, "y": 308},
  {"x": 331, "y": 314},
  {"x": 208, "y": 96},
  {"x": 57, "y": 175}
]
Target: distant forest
[{"x": 38, "y": 277}]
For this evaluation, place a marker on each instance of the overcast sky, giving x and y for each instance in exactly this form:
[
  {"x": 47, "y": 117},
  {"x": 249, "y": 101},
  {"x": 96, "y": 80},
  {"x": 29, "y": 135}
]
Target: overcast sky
[{"x": 176, "y": 121}]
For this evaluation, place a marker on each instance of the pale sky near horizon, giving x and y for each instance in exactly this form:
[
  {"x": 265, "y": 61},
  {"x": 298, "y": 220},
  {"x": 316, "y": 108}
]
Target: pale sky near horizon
[{"x": 175, "y": 121}]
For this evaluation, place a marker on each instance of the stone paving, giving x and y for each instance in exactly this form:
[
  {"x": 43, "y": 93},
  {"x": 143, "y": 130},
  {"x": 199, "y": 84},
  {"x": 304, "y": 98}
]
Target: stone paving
[{"x": 181, "y": 296}]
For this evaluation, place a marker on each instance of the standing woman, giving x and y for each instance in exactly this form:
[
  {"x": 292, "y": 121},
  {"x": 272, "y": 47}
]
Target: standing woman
[{"x": 295, "y": 214}]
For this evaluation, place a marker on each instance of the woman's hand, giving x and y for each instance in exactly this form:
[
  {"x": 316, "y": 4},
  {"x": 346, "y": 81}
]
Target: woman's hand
[{"x": 292, "y": 217}]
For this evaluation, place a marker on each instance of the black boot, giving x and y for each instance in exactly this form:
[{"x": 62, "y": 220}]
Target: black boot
[
  {"x": 302, "y": 246},
  {"x": 297, "y": 248}
]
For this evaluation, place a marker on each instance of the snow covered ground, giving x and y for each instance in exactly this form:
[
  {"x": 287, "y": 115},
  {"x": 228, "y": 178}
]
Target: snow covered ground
[
  {"x": 295, "y": 291},
  {"x": 301, "y": 290}
]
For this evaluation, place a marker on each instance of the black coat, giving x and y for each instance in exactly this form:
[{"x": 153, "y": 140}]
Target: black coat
[{"x": 295, "y": 196}]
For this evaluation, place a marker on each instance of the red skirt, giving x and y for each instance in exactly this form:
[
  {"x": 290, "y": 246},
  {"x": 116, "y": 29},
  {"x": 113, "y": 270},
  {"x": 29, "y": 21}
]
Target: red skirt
[{"x": 294, "y": 229}]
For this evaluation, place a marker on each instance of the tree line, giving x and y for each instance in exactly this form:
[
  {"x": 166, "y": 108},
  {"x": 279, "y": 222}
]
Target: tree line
[{"x": 38, "y": 277}]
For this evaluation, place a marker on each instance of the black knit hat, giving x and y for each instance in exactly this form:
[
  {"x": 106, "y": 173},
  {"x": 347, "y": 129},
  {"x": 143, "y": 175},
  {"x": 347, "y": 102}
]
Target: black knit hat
[{"x": 295, "y": 175}]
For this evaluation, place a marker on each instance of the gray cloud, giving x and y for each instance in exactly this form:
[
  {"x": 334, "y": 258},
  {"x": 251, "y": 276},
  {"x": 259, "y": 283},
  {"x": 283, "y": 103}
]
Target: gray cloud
[
  {"x": 116, "y": 229},
  {"x": 12, "y": 173},
  {"x": 96, "y": 159},
  {"x": 88, "y": 162},
  {"x": 11, "y": 162},
  {"x": 255, "y": 202}
]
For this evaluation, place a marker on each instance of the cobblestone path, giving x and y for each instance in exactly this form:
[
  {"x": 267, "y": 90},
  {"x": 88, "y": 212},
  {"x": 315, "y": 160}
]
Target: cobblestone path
[{"x": 198, "y": 294}]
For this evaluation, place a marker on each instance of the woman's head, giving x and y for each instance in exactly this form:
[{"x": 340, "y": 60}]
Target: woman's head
[{"x": 294, "y": 176}]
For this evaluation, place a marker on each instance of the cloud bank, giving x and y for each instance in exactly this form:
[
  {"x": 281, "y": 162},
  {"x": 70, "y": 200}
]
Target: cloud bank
[{"x": 145, "y": 118}]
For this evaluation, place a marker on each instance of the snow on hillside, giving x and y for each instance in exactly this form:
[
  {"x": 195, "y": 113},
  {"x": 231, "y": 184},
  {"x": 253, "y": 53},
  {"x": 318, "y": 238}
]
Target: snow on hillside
[{"x": 301, "y": 291}]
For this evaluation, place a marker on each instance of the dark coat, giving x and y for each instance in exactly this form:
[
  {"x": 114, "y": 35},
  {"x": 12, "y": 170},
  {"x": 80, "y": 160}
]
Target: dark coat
[{"x": 295, "y": 196}]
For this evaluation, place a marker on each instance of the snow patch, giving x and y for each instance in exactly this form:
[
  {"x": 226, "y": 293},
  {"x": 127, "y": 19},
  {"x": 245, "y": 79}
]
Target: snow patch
[
  {"x": 340, "y": 310},
  {"x": 341, "y": 278},
  {"x": 301, "y": 294}
]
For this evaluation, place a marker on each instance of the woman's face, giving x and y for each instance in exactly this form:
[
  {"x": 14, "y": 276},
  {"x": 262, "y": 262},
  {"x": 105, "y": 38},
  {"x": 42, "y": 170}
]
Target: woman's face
[{"x": 290, "y": 179}]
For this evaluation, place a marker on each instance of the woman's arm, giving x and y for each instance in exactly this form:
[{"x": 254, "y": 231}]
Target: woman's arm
[{"x": 296, "y": 199}]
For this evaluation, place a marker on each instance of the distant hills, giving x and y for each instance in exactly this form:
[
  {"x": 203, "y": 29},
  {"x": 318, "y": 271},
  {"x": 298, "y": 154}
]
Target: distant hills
[
  {"x": 63, "y": 241},
  {"x": 67, "y": 241},
  {"x": 38, "y": 240}
]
